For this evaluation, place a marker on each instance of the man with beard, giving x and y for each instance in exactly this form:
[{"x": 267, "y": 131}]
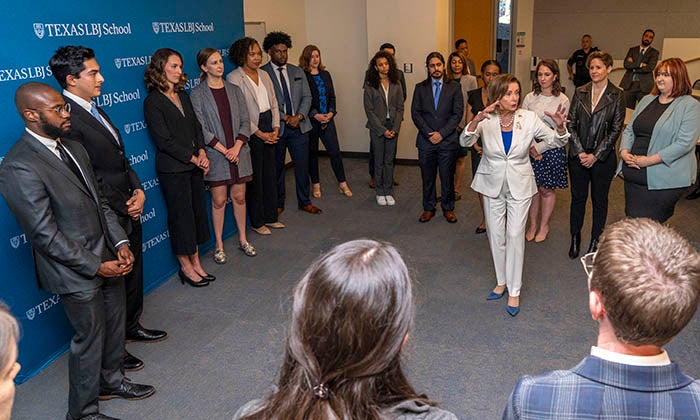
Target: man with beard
[
  {"x": 640, "y": 62},
  {"x": 436, "y": 110},
  {"x": 80, "y": 250}
]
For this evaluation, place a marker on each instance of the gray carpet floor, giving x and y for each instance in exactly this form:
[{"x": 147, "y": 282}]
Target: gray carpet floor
[{"x": 225, "y": 341}]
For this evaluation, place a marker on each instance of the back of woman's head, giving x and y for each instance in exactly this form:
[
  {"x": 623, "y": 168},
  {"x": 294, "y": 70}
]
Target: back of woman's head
[
  {"x": 9, "y": 335},
  {"x": 351, "y": 314}
]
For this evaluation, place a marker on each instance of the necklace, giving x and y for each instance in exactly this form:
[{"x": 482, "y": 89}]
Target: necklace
[{"x": 508, "y": 124}]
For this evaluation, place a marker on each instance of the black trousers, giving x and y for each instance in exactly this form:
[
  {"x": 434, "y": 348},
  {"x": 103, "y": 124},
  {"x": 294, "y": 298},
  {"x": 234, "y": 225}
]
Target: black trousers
[
  {"x": 598, "y": 177},
  {"x": 188, "y": 222},
  {"x": 133, "y": 282},
  {"x": 329, "y": 136},
  {"x": 261, "y": 191},
  {"x": 633, "y": 95},
  {"x": 434, "y": 158},
  {"x": 97, "y": 349}
]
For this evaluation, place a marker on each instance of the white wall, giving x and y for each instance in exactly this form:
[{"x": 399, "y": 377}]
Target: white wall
[
  {"x": 348, "y": 33},
  {"x": 339, "y": 30}
]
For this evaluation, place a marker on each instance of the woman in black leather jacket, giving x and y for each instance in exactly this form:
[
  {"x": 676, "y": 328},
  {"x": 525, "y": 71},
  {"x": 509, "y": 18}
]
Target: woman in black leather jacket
[{"x": 596, "y": 116}]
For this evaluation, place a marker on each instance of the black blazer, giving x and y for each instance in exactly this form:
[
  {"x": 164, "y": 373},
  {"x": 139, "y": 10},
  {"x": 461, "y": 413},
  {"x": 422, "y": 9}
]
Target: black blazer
[
  {"x": 445, "y": 119},
  {"x": 112, "y": 169},
  {"x": 595, "y": 132},
  {"x": 177, "y": 137},
  {"x": 646, "y": 73},
  {"x": 315, "y": 97},
  {"x": 71, "y": 227}
]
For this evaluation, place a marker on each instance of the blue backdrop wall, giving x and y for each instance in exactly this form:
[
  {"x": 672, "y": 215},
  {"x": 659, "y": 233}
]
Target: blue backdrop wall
[{"x": 123, "y": 34}]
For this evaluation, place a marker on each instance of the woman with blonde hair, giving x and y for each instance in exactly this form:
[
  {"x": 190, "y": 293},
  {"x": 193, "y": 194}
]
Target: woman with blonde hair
[
  {"x": 351, "y": 317},
  {"x": 505, "y": 177},
  {"x": 9, "y": 335}
]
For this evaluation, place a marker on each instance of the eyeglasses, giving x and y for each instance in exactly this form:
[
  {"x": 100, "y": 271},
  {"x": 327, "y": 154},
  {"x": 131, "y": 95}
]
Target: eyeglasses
[
  {"x": 587, "y": 262},
  {"x": 57, "y": 109}
]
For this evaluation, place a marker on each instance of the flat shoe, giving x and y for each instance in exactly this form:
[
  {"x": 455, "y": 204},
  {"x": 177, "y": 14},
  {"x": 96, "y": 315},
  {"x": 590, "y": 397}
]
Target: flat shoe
[
  {"x": 248, "y": 249},
  {"x": 262, "y": 230},
  {"x": 390, "y": 200},
  {"x": 275, "y": 225},
  {"x": 381, "y": 200},
  {"x": 220, "y": 256}
]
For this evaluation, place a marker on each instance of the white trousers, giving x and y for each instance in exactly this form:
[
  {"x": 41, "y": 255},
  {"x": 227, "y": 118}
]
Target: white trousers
[{"x": 505, "y": 226}]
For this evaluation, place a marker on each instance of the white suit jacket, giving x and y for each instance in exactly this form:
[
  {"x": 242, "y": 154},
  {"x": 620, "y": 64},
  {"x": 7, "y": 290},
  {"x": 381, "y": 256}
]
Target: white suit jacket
[{"x": 496, "y": 165}]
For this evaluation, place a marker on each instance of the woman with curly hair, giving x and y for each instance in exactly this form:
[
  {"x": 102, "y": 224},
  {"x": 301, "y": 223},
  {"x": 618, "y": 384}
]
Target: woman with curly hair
[
  {"x": 181, "y": 161},
  {"x": 351, "y": 317},
  {"x": 383, "y": 102}
]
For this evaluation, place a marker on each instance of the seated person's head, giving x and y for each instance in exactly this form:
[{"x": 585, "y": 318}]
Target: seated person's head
[
  {"x": 351, "y": 316},
  {"x": 9, "y": 334},
  {"x": 648, "y": 279}
]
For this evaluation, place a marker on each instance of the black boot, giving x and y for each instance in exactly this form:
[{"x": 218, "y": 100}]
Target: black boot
[
  {"x": 693, "y": 195},
  {"x": 593, "y": 247},
  {"x": 575, "y": 245}
]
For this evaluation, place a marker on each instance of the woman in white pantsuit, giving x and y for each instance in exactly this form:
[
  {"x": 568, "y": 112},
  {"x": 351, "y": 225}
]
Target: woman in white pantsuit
[{"x": 505, "y": 177}]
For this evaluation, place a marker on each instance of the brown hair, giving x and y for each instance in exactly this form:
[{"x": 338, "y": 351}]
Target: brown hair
[
  {"x": 554, "y": 68},
  {"x": 600, "y": 55},
  {"x": 154, "y": 76},
  {"x": 305, "y": 58},
  {"x": 450, "y": 74},
  {"x": 239, "y": 50},
  {"x": 202, "y": 58},
  {"x": 648, "y": 277},
  {"x": 499, "y": 87},
  {"x": 679, "y": 74},
  {"x": 351, "y": 313}
]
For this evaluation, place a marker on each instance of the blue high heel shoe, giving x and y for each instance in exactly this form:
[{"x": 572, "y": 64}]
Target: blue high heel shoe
[
  {"x": 493, "y": 295},
  {"x": 512, "y": 310}
]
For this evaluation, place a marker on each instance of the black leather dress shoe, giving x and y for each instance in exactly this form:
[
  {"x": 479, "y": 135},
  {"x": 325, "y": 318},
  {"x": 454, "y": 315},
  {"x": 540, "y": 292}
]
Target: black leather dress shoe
[
  {"x": 131, "y": 362},
  {"x": 575, "y": 245},
  {"x": 97, "y": 416},
  {"x": 129, "y": 391},
  {"x": 694, "y": 195},
  {"x": 145, "y": 335}
]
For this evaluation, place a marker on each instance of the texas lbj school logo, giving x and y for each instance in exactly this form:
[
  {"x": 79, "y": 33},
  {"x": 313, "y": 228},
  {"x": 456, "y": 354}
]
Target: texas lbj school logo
[
  {"x": 118, "y": 63},
  {"x": 42, "y": 307},
  {"x": 39, "y": 30},
  {"x": 156, "y": 27},
  {"x": 18, "y": 240}
]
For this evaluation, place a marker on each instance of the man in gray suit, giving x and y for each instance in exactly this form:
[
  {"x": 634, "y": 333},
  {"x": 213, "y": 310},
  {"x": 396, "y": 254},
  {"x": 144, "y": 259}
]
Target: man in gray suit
[
  {"x": 80, "y": 250},
  {"x": 640, "y": 62},
  {"x": 294, "y": 99}
]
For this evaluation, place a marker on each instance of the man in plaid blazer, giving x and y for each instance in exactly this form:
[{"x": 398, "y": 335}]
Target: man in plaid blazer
[{"x": 644, "y": 287}]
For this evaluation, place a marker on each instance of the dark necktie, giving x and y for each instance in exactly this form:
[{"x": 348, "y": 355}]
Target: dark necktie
[
  {"x": 436, "y": 96},
  {"x": 285, "y": 92},
  {"x": 65, "y": 157}
]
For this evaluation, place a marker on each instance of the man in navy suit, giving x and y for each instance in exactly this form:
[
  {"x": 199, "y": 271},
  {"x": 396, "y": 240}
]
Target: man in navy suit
[
  {"x": 436, "y": 110},
  {"x": 644, "y": 286},
  {"x": 80, "y": 250},
  {"x": 78, "y": 73},
  {"x": 294, "y": 99}
]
